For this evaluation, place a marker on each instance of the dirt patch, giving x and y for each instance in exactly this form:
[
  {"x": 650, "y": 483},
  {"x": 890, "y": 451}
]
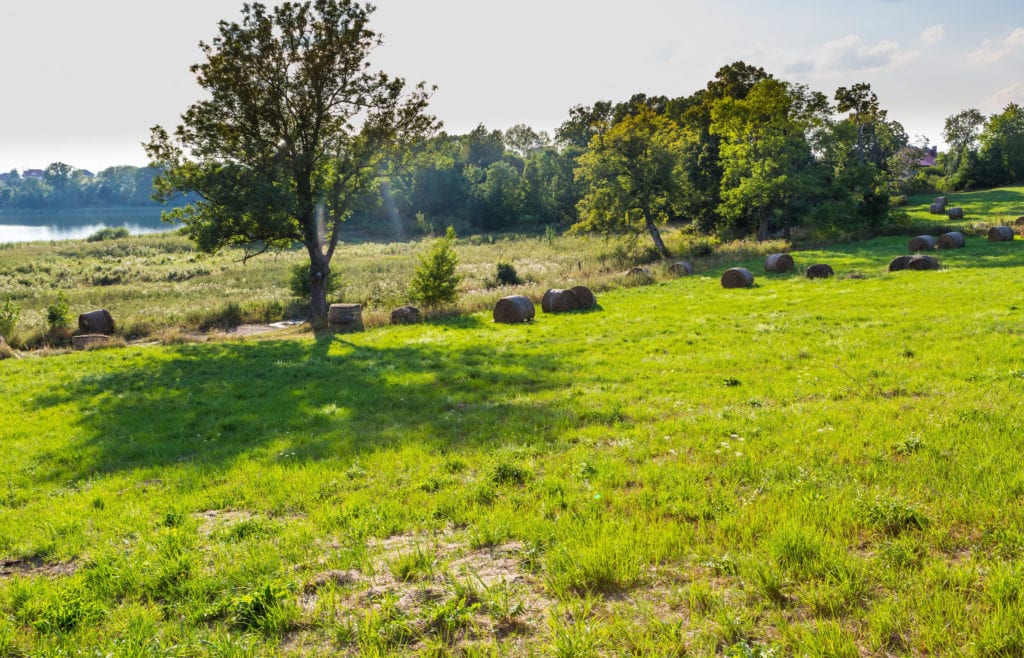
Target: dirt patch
[
  {"x": 212, "y": 520},
  {"x": 35, "y": 567}
]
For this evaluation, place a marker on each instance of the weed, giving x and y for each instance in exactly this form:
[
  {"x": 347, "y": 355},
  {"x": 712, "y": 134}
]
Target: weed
[
  {"x": 417, "y": 564},
  {"x": 505, "y": 473},
  {"x": 263, "y": 609},
  {"x": 893, "y": 516},
  {"x": 9, "y": 315}
]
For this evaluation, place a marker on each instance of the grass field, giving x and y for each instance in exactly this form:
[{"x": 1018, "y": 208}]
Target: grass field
[{"x": 821, "y": 468}]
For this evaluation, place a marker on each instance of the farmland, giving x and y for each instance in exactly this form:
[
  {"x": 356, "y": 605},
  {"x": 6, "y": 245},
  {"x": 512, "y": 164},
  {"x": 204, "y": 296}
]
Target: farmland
[{"x": 809, "y": 467}]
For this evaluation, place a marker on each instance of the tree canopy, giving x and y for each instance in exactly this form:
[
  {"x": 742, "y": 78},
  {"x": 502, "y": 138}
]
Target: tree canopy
[{"x": 295, "y": 130}]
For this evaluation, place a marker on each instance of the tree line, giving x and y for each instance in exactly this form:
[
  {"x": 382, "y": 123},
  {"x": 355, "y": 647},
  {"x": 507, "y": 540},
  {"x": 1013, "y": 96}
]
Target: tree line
[
  {"x": 747, "y": 155},
  {"x": 61, "y": 186}
]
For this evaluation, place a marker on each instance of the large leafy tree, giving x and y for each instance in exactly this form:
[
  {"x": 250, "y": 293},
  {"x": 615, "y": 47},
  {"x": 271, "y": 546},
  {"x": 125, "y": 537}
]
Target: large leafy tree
[
  {"x": 293, "y": 133},
  {"x": 632, "y": 177},
  {"x": 764, "y": 154}
]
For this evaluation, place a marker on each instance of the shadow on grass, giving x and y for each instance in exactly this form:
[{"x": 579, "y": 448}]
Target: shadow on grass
[{"x": 210, "y": 404}]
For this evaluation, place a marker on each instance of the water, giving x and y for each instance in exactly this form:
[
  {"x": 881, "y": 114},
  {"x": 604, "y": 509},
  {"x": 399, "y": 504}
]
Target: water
[{"x": 78, "y": 224}]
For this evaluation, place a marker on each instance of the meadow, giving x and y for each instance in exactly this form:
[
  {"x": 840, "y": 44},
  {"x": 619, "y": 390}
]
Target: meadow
[{"x": 805, "y": 467}]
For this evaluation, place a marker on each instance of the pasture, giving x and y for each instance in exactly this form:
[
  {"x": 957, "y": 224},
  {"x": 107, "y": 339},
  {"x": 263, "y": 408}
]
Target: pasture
[{"x": 805, "y": 467}]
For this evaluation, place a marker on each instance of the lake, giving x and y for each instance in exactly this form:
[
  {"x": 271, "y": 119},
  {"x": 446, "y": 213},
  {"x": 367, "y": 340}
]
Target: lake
[{"x": 77, "y": 224}]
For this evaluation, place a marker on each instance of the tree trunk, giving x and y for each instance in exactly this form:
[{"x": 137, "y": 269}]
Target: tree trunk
[
  {"x": 319, "y": 270},
  {"x": 652, "y": 228},
  {"x": 762, "y": 227}
]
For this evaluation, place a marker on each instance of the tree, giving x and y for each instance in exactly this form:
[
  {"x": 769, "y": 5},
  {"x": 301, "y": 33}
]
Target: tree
[
  {"x": 631, "y": 175},
  {"x": 763, "y": 152},
  {"x": 294, "y": 132},
  {"x": 435, "y": 281},
  {"x": 961, "y": 132}
]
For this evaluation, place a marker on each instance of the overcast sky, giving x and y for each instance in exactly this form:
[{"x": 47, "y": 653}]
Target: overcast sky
[{"x": 82, "y": 82}]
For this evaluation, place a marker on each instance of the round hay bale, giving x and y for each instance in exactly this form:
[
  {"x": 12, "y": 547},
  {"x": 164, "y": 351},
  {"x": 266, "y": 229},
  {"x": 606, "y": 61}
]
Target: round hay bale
[
  {"x": 921, "y": 262},
  {"x": 956, "y": 213},
  {"x": 96, "y": 322},
  {"x": 779, "y": 263},
  {"x": 940, "y": 199},
  {"x": 681, "y": 268},
  {"x": 345, "y": 315},
  {"x": 899, "y": 263},
  {"x": 1000, "y": 234},
  {"x": 937, "y": 208},
  {"x": 737, "y": 277},
  {"x": 405, "y": 315},
  {"x": 513, "y": 309},
  {"x": 639, "y": 272},
  {"x": 951, "y": 240},
  {"x": 558, "y": 300},
  {"x": 819, "y": 271},
  {"x": 584, "y": 297},
  {"x": 1019, "y": 221},
  {"x": 922, "y": 243}
]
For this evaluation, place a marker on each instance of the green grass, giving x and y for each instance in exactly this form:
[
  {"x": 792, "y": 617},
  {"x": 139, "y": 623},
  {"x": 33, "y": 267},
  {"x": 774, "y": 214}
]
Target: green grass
[
  {"x": 821, "y": 468},
  {"x": 995, "y": 207}
]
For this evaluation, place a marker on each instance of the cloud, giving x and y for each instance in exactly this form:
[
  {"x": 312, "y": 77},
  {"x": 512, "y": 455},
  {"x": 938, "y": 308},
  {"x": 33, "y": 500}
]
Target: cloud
[
  {"x": 990, "y": 52},
  {"x": 1012, "y": 94},
  {"x": 932, "y": 35},
  {"x": 849, "y": 54}
]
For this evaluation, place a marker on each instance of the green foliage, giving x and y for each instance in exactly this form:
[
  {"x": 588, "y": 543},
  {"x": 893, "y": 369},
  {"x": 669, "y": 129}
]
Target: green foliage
[
  {"x": 300, "y": 286},
  {"x": 303, "y": 177},
  {"x": 435, "y": 281},
  {"x": 263, "y": 609},
  {"x": 108, "y": 233},
  {"x": 9, "y": 314},
  {"x": 506, "y": 275},
  {"x": 58, "y": 313}
]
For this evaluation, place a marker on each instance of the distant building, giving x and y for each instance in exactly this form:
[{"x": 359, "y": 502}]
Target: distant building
[{"x": 928, "y": 156}]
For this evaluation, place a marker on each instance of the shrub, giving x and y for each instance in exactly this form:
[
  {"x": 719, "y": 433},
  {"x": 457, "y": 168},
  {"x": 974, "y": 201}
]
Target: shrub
[
  {"x": 108, "y": 233},
  {"x": 58, "y": 314},
  {"x": 506, "y": 275},
  {"x": 9, "y": 315},
  {"x": 299, "y": 284},
  {"x": 435, "y": 282}
]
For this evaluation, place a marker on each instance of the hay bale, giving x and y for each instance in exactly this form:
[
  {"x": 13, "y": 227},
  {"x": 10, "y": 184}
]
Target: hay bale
[
  {"x": 513, "y": 309},
  {"x": 899, "y": 263},
  {"x": 584, "y": 297},
  {"x": 558, "y": 300},
  {"x": 405, "y": 315},
  {"x": 819, "y": 271},
  {"x": 951, "y": 240},
  {"x": 937, "y": 208},
  {"x": 87, "y": 341},
  {"x": 345, "y": 315},
  {"x": 921, "y": 262},
  {"x": 922, "y": 243},
  {"x": 956, "y": 213},
  {"x": 1000, "y": 234},
  {"x": 1019, "y": 221},
  {"x": 681, "y": 268},
  {"x": 779, "y": 263},
  {"x": 940, "y": 199},
  {"x": 96, "y": 322},
  {"x": 737, "y": 277}
]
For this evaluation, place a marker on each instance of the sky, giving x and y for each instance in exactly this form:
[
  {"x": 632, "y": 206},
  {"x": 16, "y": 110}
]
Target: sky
[{"x": 83, "y": 82}]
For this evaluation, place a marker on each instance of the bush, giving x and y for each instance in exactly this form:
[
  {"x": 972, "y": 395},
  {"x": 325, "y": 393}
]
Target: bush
[
  {"x": 9, "y": 315},
  {"x": 108, "y": 233},
  {"x": 506, "y": 275},
  {"x": 435, "y": 281},
  {"x": 300, "y": 287},
  {"x": 58, "y": 314}
]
